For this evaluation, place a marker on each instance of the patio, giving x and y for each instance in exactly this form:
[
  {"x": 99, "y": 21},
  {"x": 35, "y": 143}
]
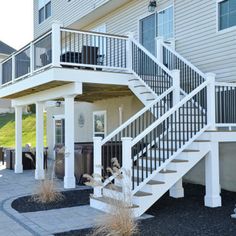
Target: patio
[
  {"x": 13, "y": 223},
  {"x": 181, "y": 217}
]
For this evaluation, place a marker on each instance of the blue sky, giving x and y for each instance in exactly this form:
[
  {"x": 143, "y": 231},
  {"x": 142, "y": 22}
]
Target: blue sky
[{"x": 16, "y": 22}]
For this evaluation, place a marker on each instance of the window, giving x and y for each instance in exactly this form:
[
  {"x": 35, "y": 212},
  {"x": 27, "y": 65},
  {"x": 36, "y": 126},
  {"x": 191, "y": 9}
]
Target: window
[
  {"x": 227, "y": 14},
  {"x": 158, "y": 24},
  {"x": 99, "y": 124},
  {"x": 59, "y": 131},
  {"x": 45, "y": 11}
]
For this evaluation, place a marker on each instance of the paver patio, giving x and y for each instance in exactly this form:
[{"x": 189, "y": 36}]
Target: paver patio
[{"x": 37, "y": 223}]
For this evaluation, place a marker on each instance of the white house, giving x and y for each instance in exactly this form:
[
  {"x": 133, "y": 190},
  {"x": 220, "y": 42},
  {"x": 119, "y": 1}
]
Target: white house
[{"x": 146, "y": 81}]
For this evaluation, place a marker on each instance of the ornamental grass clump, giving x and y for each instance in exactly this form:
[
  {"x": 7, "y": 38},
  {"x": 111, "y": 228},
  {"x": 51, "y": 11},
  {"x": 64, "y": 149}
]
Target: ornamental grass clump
[
  {"x": 47, "y": 191},
  {"x": 120, "y": 221}
]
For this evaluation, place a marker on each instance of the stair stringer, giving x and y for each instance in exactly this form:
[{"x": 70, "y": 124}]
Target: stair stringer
[
  {"x": 170, "y": 179},
  {"x": 144, "y": 92}
]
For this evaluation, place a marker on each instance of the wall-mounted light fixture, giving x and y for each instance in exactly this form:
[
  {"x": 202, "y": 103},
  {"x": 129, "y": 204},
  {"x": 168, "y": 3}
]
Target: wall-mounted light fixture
[
  {"x": 152, "y": 5},
  {"x": 58, "y": 104}
]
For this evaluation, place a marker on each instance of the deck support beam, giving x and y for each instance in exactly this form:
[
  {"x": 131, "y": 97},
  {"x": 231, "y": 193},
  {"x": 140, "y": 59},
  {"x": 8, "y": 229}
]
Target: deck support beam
[
  {"x": 69, "y": 178},
  {"x": 39, "y": 171},
  {"x": 18, "y": 140},
  {"x": 212, "y": 177}
]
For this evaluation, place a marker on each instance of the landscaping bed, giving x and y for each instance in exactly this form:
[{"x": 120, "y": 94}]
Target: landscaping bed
[
  {"x": 186, "y": 216},
  {"x": 70, "y": 199}
]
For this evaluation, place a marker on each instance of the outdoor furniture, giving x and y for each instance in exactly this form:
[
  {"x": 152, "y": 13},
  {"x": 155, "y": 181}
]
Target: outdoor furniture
[
  {"x": 1, "y": 155},
  {"x": 88, "y": 56},
  {"x": 28, "y": 159},
  {"x": 83, "y": 161}
]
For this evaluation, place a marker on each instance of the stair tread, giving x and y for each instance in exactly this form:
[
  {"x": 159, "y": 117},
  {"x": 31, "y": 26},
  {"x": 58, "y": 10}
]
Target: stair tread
[
  {"x": 202, "y": 141},
  {"x": 141, "y": 86},
  {"x": 111, "y": 201},
  {"x": 150, "y": 182},
  {"x": 167, "y": 171},
  {"x": 179, "y": 161},
  {"x": 191, "y": 150},
  {"x": 119, "y": 189}
]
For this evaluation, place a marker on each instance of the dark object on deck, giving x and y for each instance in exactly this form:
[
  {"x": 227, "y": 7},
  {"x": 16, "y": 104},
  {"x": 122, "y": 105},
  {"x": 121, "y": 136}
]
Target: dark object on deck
[
  {"x": 83, "y": 161},
  {"x": 28, "y": 159}
]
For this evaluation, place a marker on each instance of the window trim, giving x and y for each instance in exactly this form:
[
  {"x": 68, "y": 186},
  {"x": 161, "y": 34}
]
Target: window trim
[
  {"x": 156, "y": 12},
  {"x": 218, "y": 30}
]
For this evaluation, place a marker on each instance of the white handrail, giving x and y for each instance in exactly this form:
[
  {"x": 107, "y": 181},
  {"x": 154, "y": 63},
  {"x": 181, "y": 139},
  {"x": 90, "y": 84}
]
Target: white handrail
[
  {"x": 94, "y": 33},
  {"x": 133, "y": 118},
  {"x": 225, "y": 84},
  {"x": 169, "y": 113},
  {"x": 152, "y": 57},
  {"x": 185, "y": 61}
]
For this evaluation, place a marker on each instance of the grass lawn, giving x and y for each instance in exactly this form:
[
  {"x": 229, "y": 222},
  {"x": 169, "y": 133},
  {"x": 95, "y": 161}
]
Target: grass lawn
[{"x": 7, "y": 130}]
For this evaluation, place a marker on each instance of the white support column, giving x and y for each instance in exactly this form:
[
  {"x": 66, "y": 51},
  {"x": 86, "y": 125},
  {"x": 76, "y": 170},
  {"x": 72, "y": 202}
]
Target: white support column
[
  {"x": 39, "y": 171},
  {"x": 177, "y": 190},
  {"x": 211, "y": 110},
  {"x": 127, "y": 170},
  {"x": 18, "y": 140},
  {"x": 56, "y": 44},
  {"x": 97, "y": 164},
  {"x": 69, "y": 178},
  {"x": 129, "y": 50},
  {"x": 212, "y": 177},
  {"x": 176, "y": 85},
  {"x": 159, "y": 48}
]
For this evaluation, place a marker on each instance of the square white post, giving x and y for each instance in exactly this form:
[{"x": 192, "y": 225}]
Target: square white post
[
  {"x": 39, "y": 171},
  {"x": 56, "y": 44},
  {"x": 129, "y": 51},
  {"x": 177, "y": 190},
  {"x": 18, "y": 140},
  {"x": 31, "y": 58},
  {"x": 159, "y": 49},
  {"x": 1, "y": 74},
  {"x": 69, "y": 178},
  {"x": 212, "y": 177},
  {"x": 97, "y": 164},
  {"x": 127, "y": 170},
  {"x": 13, "y": 75},
  {"x": 211, "y": 110},
  {"x": 176, "y": 85}
]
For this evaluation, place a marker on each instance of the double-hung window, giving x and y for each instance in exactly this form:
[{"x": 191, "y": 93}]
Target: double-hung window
[
  {"x": 157, "y": 24},
  {"x": 44, "y": 10},
  {"x": 226, "y": 14}
]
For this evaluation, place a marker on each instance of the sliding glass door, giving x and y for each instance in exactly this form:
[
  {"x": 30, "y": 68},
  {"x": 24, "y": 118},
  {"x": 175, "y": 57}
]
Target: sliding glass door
[{"x": 157, "y": 24}]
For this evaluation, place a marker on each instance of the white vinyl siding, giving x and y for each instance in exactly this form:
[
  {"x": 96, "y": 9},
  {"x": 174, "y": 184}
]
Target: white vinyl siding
[{"x": 195, "y": 31}]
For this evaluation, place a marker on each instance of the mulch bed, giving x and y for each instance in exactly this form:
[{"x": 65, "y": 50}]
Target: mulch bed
[
  {"x": 186, "y": 216},
  {"x": 71, "y": 199}
]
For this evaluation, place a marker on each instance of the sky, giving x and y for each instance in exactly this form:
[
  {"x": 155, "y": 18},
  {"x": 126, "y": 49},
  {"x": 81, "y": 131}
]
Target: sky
[{"x": 16, "y": 22}]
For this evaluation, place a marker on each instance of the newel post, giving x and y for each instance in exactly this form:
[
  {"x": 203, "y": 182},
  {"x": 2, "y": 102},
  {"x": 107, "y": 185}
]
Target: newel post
[
  {"x": 176, "y": 85},
  {"x": 159, "y": 49},
  {"x": 127, "y": 170},
  {"x": 56, "y": 44},
  {"x": 97, "y": 164},
  {"x": 1, "y": 78},
  {"x": 211, "y": 109},
  {"x": 129, "y": 55}
]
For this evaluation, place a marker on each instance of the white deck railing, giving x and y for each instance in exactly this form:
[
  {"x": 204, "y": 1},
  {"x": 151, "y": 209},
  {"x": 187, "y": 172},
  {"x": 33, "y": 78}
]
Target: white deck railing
[{"x": 67, "y": 48}]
